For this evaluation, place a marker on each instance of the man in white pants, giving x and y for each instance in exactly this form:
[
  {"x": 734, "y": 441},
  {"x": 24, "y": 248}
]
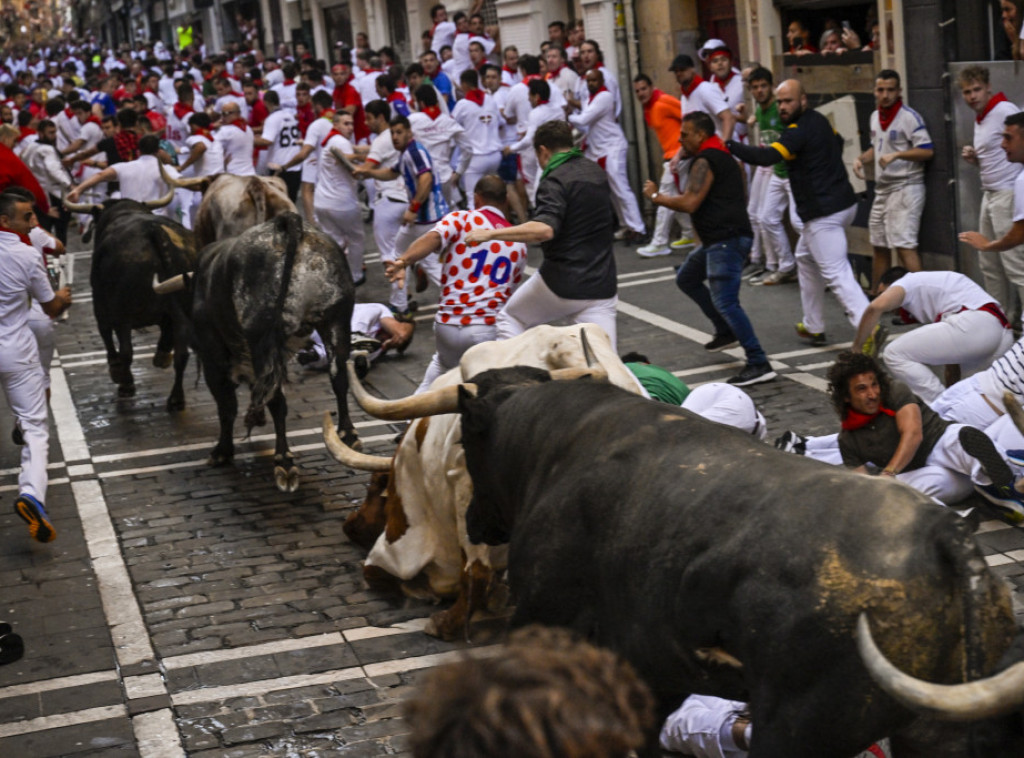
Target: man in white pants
[
  {"x": 606, "y": 145},
  {"x": 440, "y": 134},
  {"x": 826, "y": 204},
  {"x": 572, "y": 223},
  {"x": 480, "y": 119},
  {"x": 1001, "y": 267},
  {"x": 335, "y": 199},
  {"x": 22, "y": 277},
  {"x": 391, "y": 198},
  {"x": 542, "y": 111},
  {"x": 962, "y": 325},
  {"x": 476, "y": 281}
]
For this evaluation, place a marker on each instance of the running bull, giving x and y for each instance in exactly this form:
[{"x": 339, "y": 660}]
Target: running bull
[
  {"x": 718, "y": 565},
  {"x": 413, "y": 519},
  {"x": 232, "y": 204},
  {"x": 257, "y": 298},
  {"x": 132, "y": 246}
]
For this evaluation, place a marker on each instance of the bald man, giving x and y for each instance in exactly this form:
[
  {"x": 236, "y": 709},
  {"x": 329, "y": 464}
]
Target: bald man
[{"x": 825, "y": 202}]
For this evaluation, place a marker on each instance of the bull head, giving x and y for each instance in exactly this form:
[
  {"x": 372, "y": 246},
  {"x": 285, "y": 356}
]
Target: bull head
[
  {"x": 984, "y": 698},
  {"x": 443, "y": 399}
]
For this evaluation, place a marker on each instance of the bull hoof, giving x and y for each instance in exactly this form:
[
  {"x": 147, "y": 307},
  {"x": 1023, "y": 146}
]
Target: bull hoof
[
  {"x": 352, "y": 440},
  {"x": 162, "y": 359},
  {"x": 126, "y": 390},
  {"x": 175, "y": 404},
  {"x": 442, "y": 626},
  {"x": 287, "y": 480},
  {"x": 116, "y": 374},
  {"x": 220, "y": 457}
]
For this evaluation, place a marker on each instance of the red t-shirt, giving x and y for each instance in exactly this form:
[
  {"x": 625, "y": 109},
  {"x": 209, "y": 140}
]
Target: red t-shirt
[{"x": 345, "y": 96}]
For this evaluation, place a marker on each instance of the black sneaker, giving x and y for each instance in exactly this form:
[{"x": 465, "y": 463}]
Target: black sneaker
[
  {"x": 979, "y": 446},
  {"x": 791, "y": 442},
  {"x": 752, "y": 374},
  {"x": 721, "y": 342}
]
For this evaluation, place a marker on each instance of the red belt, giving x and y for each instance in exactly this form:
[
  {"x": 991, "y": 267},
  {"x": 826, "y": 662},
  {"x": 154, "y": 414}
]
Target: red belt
[{"x": 992, "y": 308}]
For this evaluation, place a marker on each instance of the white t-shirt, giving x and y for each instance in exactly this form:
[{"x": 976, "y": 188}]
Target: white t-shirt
[
  {"x": 997, "y": 173},
  {"x": 21, "y": 274},
  {"x": 610, "y": 83},
  {"x": 1018, "y": 196},
  {"x": 597, "y": 119},
  {"x": 540, "y": 115},
  {"x": 212, "y": 160},
  {"x": 282, "y": 130},
  {"x": 439, "y": 136},
  {"x": 733, "y": 93},
  {"x": 907, "y": 131},
  {"x": 237, "y": 144},
  {"x": 315, "y": 135},
  {"x": 705, "y": 97},
  {"x": 383, "y": 153},
  {"x": 930, "y": 294},
  {"x": 366, "y": 86},
  {"x": 366, "y": 317},
  {"x": 481, "y": 124},
  {"x": 177, "y": 128},
  {"x": 140, "y": 179},
  {"x": 335, "y": 187},
  {"x": 444, "y": 34},
  {"x": 286, "y": 94}
]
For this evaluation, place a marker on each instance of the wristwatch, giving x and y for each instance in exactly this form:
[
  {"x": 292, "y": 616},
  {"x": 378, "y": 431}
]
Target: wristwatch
[{"x": 654, "y": 196}]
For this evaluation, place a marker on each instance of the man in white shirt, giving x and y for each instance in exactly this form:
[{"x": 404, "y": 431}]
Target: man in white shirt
[
  {"x": 205, "y": 158},
  {"x": 44, "y": 161},
  {"x": 443, "y": 32},
  {"x": 23, "y": 278},
  {"x": 480, "y": 119},
  {"x": 440, "y": 133},
  {"x": 592, "y": 58},
  {"x": 460, "y": 48},
  {"x": 335, "y": 200},
  {"x": 962, "y": 325},
  {"x": 1001, "y": 267},
  {"x": 282, "y": 139},
  {"x": 286, "y": 89},
  {"x": 310, "y": 150},
  {"x": 542, "y": 111},
  {"x": 236, "y": 140},
  {"x": 606, "y": 145},
  {"x": 226, "y": 95},
  {"x": 560, "y": 74},
  {"x": 510, "y": 66},
  {"x": 729, "y": 81},
  {"x": 140, "y": 179}
]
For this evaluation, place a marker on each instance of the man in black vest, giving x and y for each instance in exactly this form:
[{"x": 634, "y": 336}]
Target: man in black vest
[{"x": 715, "y": 199}]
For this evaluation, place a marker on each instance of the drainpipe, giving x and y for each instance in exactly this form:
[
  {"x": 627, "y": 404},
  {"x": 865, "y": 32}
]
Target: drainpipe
[
  {"x": 627, "y": 55},
  {"x": 950, "y": 53}
]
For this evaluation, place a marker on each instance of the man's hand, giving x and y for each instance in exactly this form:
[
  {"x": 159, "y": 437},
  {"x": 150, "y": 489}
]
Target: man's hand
[
  {"x": 858, "y": 167},
  {"x": 650, "y": 189},
  {"x": 851, "y": 41},
  {"x": 409, "y": 217},
  {"x": 974, "y": 239},
  {"x": 53, "y": 212},
  {"x": 885, "y": 160},
  {"x": 361, "y": 172},
  {"x": 506, "y": 151},
  {"x": 395, "y": 272},
  {"x": 969, "y": 154},
  {"x": 274, "y": 167},
  {"x": 477, "y": 237},
  {"x": 73, "y": 195}
]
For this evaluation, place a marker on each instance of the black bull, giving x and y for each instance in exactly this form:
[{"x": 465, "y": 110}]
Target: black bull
[
  {"x": 257, "y": 299},
  {"x": 132, "y": 246},
  {"x": 718, "y": 565}
]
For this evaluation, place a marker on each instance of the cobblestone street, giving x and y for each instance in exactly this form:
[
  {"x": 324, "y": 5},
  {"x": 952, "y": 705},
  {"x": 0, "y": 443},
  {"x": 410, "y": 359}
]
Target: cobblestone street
[{"x": 188, "y": 610}]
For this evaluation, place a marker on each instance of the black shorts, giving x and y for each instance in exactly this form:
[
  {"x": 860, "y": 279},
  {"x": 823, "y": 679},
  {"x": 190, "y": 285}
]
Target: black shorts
[{"x": 508, "y": 170}]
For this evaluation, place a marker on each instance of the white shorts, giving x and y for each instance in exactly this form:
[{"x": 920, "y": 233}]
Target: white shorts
[{"x": 896, "y": 217}]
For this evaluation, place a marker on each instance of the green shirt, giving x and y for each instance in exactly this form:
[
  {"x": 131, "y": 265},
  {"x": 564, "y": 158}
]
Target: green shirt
[
  {"x": 770, "y": 125},
  {"x": 660, "y": 383}
]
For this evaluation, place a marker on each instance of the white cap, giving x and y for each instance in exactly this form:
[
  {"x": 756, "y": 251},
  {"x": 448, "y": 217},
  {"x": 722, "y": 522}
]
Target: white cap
[
  {"x": 727, "y": 404},
  {"x": 711, "y": 46}
]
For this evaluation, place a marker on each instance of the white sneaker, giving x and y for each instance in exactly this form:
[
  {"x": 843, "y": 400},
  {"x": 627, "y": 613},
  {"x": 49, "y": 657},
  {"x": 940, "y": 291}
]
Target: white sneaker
[
  {"x": 682, "y": 242},
  {"x": 621, "y": 234},
  {"x": 653, "y": 251}
]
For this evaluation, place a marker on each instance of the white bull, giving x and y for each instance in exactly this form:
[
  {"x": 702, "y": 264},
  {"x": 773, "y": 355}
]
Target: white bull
[{"x": 414, "y": 518}]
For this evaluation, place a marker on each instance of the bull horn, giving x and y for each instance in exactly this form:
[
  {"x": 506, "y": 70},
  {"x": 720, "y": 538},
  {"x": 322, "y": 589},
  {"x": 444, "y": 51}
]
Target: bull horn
[
  {"x": 588, "y": 353},
  {"x": 429, "y": 403},
  {"x": 347, "y": 456},
  {"x": 1013, "y": 410},
  {"x": 166, "y": 287},
  {"x": 78, "y": 207},
  {"x": 984, "y": 698},
  {"x": 194, "y": 183},
  {"x": 598, "y": 373},
  {"x": 165, "y": 200}
]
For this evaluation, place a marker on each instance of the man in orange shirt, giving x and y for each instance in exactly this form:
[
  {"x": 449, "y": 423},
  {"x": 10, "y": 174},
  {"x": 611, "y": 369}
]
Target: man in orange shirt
[{"x": 663, "y": 114}]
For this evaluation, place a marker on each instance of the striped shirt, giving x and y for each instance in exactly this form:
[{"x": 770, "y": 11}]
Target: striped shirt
[
  {"x": 1008, "y": 371},
  {"x": 414, "y": 162},
  {"x": 906, "y": 132}
]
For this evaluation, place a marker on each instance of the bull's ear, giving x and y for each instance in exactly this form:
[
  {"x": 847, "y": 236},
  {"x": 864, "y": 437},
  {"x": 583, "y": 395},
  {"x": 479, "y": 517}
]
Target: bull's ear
[{"x": 466, "y": 398}]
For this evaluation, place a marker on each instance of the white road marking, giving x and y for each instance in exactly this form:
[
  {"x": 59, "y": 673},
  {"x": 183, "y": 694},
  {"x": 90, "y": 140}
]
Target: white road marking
[
  {"x": 263, "y": 686},
  {"x": 145, "y": 685},
  {"x": 59, "y": 720},
  {"x": 156, "y": 735},
  {"x": 60, "y": 683},
  {"x": 250, "y": 651}
]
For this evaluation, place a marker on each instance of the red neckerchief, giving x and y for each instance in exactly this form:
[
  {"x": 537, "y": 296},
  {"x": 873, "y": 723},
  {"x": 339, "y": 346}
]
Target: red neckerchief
[
  {"x": 475, "y": 96},
  {"x": 288, "y": 82},
  {"x": 69, "y": 114},
  {"x": 554, "y": 74},
  {"x": 694, "y": 83},
  {"x": 397, "y": 97},
  {"x": 93, "y": 120},
  {"x": 854, "y": 420},
  {"x": 433, "y": 111},
  {"x": 886, "y": 115},
  {"x": 603, "y": 89},
  {"x": 204, "y": 133},
  {"x": 714, "y": 142},
  {"x": 722, "y": 82},
  {"x": 508, "y": 70},
  {"x": 239, "y": 122},
  {"x": 25, "y": 131},
  {"x": 23, "y": 237},
  {"x": 181, "y": 110},
  {"x": 655, "y": 96},
  {"x": 330, "y": 134},
  {"x": 543, "y": 102},
  {"x": 531, "y": 78},
  {"x": 997, "y": 98}
]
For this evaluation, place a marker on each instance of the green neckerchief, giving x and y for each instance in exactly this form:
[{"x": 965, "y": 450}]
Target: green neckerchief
[{"x": 559, "y": 158}]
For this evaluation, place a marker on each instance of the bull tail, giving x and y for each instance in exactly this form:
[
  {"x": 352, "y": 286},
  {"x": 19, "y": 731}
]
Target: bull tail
[
  {"x": 271, "y": 349},
  {"x": 258, "y": 195}
]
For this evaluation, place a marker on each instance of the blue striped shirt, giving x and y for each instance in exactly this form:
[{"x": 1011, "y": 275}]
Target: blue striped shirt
[{"x": 414, "y": 162}]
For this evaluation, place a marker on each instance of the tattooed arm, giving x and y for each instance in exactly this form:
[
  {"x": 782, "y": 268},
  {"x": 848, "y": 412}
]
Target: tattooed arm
[{"x": 697, "y": 187}]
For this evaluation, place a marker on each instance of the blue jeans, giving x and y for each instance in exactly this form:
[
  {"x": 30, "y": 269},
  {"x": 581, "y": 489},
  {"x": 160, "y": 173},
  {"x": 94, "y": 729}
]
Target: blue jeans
[{"x": 721, "y": 263}]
